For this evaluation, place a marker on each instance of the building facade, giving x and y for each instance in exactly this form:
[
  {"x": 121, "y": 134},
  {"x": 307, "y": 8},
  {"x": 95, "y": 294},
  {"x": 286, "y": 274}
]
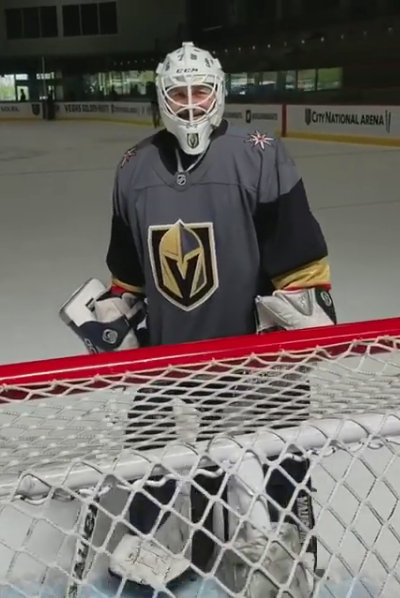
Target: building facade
[{"x": 71, "y": 28}]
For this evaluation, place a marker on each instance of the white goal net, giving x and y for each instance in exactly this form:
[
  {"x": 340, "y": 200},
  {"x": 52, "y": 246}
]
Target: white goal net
[{"x": 205, "y": 459}]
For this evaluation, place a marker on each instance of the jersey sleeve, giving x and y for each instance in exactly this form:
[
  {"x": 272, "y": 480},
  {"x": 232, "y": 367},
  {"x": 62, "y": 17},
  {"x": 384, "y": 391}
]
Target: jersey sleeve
[
  {"x": 122, "y": 256},
  {"x": 292, "y": 246}
]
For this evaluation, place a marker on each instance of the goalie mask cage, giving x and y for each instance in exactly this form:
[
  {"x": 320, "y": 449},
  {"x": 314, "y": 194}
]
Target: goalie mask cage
[{"x": 82, "y": 438}]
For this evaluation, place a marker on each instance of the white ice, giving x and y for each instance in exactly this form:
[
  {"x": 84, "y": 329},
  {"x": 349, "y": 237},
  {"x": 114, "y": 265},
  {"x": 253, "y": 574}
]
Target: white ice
[{"x": 56, "y": 180}]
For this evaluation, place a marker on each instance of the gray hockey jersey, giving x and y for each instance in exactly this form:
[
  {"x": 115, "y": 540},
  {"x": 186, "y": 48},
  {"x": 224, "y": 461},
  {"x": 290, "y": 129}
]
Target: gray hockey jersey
[{"x": 200, "y": 244}]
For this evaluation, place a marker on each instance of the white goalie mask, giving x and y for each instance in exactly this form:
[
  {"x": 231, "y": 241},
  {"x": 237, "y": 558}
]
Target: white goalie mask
[{"x": 191, "y": 95}]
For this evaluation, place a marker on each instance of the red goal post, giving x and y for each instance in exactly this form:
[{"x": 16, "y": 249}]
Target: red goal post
[{"x": 69, "y": 424}]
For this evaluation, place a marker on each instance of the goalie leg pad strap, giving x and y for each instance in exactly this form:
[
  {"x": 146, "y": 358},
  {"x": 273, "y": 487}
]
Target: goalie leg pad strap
[
  {"x": 143, "y": 512},
  {"x": 282, "y": 484}
]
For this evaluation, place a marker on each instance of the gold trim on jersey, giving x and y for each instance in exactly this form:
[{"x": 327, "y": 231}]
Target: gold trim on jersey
[
  {"x": 313, "y": 274},
  {"x": 128, "y": 287},
  {"x": 183, "y": 262}
]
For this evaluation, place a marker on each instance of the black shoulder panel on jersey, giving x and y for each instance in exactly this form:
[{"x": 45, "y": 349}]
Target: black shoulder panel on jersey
[
  {"x": 152, "y": 139},
  {"x": 122, "y": 256},
  {"x": 288, "y": 234}
]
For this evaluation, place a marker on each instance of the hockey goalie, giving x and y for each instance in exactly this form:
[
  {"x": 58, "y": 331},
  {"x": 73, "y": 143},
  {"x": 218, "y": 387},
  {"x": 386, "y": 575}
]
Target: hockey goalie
[{"x": 211, "y": 236}]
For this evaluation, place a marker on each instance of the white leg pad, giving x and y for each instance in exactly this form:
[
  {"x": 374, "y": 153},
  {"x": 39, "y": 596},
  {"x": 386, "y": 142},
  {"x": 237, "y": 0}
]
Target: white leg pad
[
  {"x": 146, "y": 562},
  {"x": 157, "y": 561},
  {"x": 246, "y": 496}
]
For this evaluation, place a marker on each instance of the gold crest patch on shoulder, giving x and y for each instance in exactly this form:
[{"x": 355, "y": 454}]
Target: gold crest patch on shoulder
[
  {"x": 261, "y": 140},
  {"x": 131, "y": 153},
  {"x": 183, "y": 262}
]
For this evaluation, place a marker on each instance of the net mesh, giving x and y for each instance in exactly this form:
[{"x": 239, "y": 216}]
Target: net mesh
[{"x": 196, "y": 470}]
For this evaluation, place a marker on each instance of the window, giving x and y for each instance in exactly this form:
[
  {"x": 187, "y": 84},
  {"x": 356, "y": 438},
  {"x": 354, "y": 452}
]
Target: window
[
  {"x": 108, "y": 17},
  {"x": 314, "y": 6},
  {"x": 71, "y": 20},
  {"x": 14, "y": 23},
  {"x": 238, "y": 84},
  {"x": 48, "y": 21},
  {"x": 329, "y": 78},
  {"x": 31, "y": 23},
  {"x": 90, "y": 19},
  {"x": 30, "y": 20},
  {"x": 290, "y": 81},
  {"x": 288, "y": 9},
  {"x": 362, "y": 8},
  {"x": 306, "y": 80},
  {"x": 393, "y": 6},
  {"x": 7, "y": 88},
  {"x": 269, "y": 80}
]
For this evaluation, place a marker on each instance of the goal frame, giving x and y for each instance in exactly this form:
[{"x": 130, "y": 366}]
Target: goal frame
[
  {"x": 66, "y": 376},
  {"x": 331, "y": 339},
  {"x": 104, "y": 370}
]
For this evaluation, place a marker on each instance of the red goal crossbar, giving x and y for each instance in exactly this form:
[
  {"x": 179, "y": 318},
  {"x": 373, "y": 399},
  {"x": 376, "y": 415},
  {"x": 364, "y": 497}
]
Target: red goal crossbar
[{"x": 331, "y": 339}]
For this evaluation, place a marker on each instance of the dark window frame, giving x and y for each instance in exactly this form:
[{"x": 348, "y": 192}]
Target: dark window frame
[
  {"x": 106, "y": 19},
  {"x": 89, "y": 26},
  {"x": 108, "y": 24},
  {"x": 12, "y": 15},
  {"x": 68, "y": 31},
  {"x": 50, "y": 29},
  {"x": 28, "y": 27},
  {"x": 30, "y": 22}
]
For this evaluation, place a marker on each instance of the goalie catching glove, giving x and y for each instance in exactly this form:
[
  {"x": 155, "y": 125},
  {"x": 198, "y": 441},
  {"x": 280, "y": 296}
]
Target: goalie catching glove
[
  {"x": 291, "y": 310},
  {"x": 106, "y": 319}
]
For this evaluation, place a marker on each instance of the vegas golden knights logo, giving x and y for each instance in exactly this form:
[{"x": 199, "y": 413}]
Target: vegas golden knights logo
[{"x": 183, "y": 262}]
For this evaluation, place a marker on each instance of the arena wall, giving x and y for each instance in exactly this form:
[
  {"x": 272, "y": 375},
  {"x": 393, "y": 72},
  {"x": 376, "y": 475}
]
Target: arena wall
[{"x": 353, "y": 124}]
